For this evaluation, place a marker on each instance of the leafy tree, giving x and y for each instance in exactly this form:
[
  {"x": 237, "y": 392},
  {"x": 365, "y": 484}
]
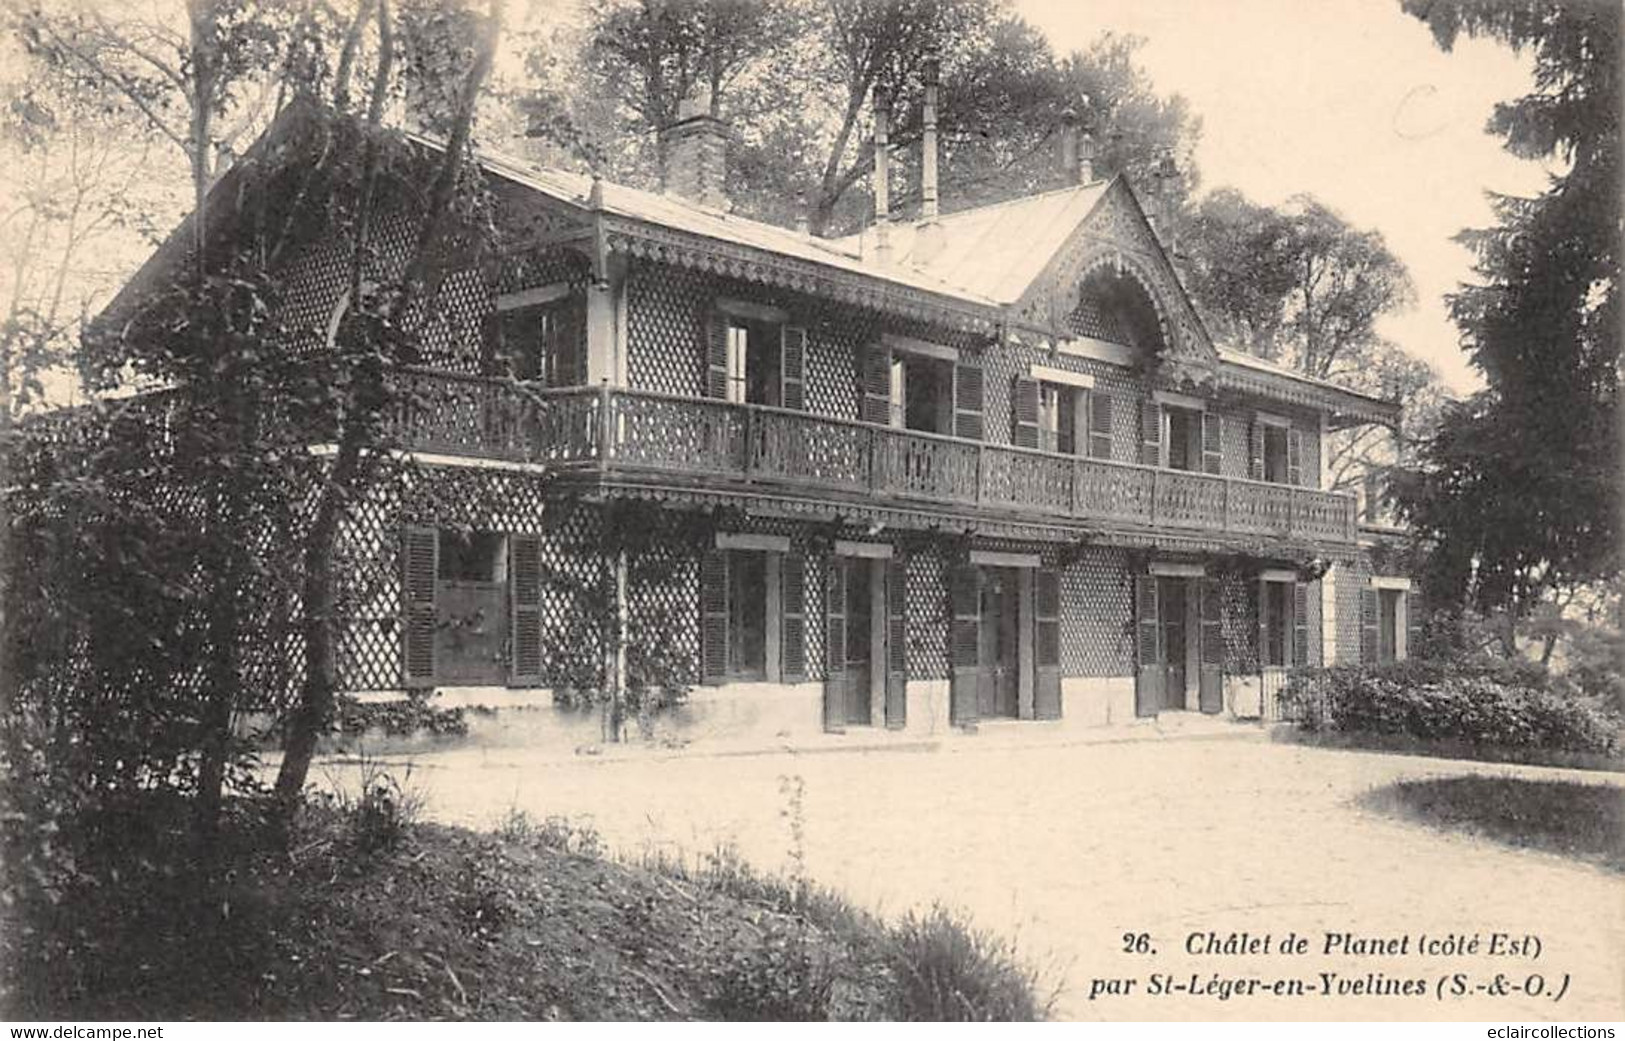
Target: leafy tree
[
  {"x": 1519, "y": 490},
  {"x": 1299, "y": 285},
  {"x": 1296, "y": 284},
  {"x": 798, "y": 85},
  {"x": 232, "y": 466}
]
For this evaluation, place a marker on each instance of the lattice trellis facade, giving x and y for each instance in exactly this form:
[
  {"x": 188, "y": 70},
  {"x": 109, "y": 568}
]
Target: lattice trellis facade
[
  {"x": 1097, "y": 615},
  {"x": 660, "y": 328},
  {"x": 1352, "y": 577}
]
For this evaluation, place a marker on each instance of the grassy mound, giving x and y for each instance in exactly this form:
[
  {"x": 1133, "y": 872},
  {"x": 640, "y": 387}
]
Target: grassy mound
[
  {"x": 363, "y": 915},
  {"x": 1583, "y": 821}
]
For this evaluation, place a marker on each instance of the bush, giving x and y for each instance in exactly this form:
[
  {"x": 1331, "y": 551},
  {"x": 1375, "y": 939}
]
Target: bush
[
  {"x": 401, "y": 717},
  {"x": 1514, "y": 705},
  {"x": 787, "y": 975},
  {"x": 947, "y": 971}
]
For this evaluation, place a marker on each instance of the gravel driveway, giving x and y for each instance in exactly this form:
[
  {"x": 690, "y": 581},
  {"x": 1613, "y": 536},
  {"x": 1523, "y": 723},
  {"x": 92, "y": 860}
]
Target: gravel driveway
[{"x": 1069, "y": 848}]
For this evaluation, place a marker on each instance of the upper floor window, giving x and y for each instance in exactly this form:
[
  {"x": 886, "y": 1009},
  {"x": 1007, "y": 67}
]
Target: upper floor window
[
  {"x": 1184, "y": 437},
  {"x": 1275, "y": 468},
  {"x": 907, "y": 388},
  {"x": 1277, "y": 450},
  {"x": 927, "y": 394},
  {"x": 754, "y": 357},
  {"x": 544, "y": 342},
  {"x": 1059, "y": 411},
  {"x": 1058, "y": 418},
  {"x": 1180, "y": 432}
]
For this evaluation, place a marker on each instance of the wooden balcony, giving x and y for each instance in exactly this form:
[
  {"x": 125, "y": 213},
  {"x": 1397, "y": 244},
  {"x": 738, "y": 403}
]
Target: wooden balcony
[{"x": 636, "y": 436}]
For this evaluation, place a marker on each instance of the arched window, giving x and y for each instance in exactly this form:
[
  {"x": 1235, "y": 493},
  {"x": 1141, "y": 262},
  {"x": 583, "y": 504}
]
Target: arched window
[{"x": 1113, "y": 306}]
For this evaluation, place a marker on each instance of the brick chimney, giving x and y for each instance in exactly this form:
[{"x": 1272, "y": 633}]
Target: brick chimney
[{"x": 694, "y": 152}]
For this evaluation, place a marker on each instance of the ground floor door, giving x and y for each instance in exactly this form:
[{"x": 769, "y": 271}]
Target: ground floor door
[
  {"x": 1388, "y": 625},
  {"x": 861, "y": 660},
  {"x": 1172, "y": 605},
  {"x": 999, "y": 691},
  {"x": 1170, "y": 628}
]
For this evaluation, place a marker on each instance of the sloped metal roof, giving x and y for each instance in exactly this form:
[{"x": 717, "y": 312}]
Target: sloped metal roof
[
  {"x": 669, "y": 212},
  {"x": 994, "y": 252}
]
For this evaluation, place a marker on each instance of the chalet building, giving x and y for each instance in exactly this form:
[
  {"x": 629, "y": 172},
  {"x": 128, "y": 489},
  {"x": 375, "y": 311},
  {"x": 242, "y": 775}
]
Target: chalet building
[{"x": 978, "y": 465}]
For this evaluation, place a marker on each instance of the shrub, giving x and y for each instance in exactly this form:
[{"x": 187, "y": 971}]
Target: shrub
[
  {"x": 1507, "y": 704},
  {"x": 947, "y": 971},
  {"x": 381, "y": 809},
  {"x": 786, "y": 975},
  {"x": 399, "y": 718}
]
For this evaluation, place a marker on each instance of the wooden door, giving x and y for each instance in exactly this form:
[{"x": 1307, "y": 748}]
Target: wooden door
[
  {"x": 998, "y": 686},
  {"x": 1171, "y": 609},
  {"x": 860, "y": 663}
]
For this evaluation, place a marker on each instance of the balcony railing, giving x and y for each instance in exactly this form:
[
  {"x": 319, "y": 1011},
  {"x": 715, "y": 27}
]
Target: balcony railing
[{"x": 632, "y": 433}]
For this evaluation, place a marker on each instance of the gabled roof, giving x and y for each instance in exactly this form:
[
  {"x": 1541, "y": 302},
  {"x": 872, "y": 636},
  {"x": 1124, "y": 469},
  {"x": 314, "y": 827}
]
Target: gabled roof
[
  {"x": 665, "y": 211},
  {"x": 995, "y": 252},
  {"x": 986, "y": 259}
]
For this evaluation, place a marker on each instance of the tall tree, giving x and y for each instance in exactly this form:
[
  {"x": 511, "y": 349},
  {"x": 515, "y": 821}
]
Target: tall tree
[
  {"x": 1519, "y": 492},
  {"x": 247, "y": 401},
  {"x": 798, "y": 88},
  {"x": 1295, "y": 284}
]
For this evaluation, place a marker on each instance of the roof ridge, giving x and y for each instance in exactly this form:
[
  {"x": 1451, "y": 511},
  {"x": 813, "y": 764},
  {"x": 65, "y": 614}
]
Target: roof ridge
[
  {"x": 1033, "y": 197},
  {"x": 524, "y": 167}
]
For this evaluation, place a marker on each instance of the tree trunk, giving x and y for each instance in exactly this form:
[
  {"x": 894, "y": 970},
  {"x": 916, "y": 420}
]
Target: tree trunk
[{"x": 317, "y": 601}]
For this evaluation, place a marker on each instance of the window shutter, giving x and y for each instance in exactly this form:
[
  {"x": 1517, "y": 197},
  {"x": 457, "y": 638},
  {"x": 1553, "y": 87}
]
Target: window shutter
[
  {"x": 1210, "y": 682},
  {"x": 1300, "y": 624},
  {"x": 575, "y": 343},
  {"x": 1024, "y": 412},
  {"x": 1149, "y": 682},
  {"x": 793, "y": 630},
  {"x": 1294, "y": 456},
  {"x": 1263, "y": 625},
  {"x": 1047, "y": 644},
  {"x": 968, "y": 402},
  {"x": 713, "y": 616},
  {"x": 1415, "y": 624},
  {"x": 1212, "y": 624},
  {"x": 494, "y": 361},
  {"x": 420, "y": 573},
  {"x": 1100, "y": 425},
  {"x": 896, "y": 643},
  {"x": 525, "y": 595},
  {"x": 877, "y": 384},
  {"x": 793, "y": 367},
  {"x": 561, "y": 327},
  {"x": 835, "y": 644},
  {"x": 1255, "y": 452},
  {"x": 716, "y": 356},
  {"x": 1145, "y": 599},
  {"x": 1369, "y": 611},
  {"x": 1150, "y": 433},
  {"x": 1212, "y": 442},
  {"x": 965, "y": 643}
]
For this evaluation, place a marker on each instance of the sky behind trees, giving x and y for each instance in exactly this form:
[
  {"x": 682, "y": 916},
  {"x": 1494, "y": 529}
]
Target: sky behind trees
[{"x": 1348, "y": 100}]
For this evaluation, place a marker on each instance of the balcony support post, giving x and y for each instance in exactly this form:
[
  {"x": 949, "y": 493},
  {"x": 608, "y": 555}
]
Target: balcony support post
[{"x": 605, "y": 427}]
